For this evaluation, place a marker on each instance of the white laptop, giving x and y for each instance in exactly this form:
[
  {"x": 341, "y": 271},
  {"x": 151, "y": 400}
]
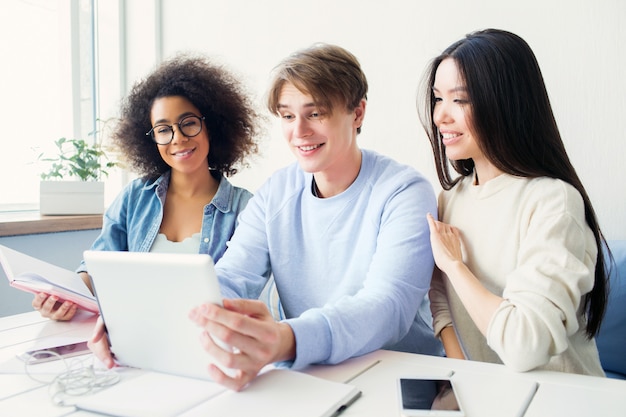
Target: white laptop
[{"x": 145, "y": 299}]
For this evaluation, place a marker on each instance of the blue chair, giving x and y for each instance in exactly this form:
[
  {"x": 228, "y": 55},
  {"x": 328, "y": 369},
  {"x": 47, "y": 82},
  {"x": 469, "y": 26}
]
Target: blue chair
[{"x": 611, "y": 339}]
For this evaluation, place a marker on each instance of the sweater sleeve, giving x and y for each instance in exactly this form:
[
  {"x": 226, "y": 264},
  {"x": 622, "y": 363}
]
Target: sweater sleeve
[
  {"x": 244, "y": 268},
  {"x": 437, "y": 294},
  {"x": 555, "y": 268},
  {"x": 439, "y": 303}
]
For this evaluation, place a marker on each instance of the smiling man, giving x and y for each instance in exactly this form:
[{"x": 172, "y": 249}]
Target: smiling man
[{"x": 343, "y": 231}]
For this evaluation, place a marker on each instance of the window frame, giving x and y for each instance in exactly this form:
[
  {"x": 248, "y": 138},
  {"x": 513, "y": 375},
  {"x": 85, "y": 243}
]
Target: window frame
[{"x": 81, "y": 28}]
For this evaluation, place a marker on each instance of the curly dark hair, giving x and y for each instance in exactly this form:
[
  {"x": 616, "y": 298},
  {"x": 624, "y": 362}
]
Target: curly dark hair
[{"x": 230, "y": 116}]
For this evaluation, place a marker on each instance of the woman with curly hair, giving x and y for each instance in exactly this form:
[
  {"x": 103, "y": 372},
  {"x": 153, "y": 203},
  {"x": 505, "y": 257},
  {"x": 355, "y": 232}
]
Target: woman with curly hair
[{"x": 183, "y": 130}]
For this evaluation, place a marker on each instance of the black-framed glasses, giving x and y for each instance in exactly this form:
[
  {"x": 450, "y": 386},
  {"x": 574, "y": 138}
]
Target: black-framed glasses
[{"x": 189, "y": 126}]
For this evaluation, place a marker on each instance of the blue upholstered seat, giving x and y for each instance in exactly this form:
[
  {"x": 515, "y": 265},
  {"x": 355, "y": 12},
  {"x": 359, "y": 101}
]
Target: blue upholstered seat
[{"x": 611, "y": 340}]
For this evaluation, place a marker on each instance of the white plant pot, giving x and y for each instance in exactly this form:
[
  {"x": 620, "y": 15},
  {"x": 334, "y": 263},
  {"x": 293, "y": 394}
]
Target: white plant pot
[{"x": 71, "y": 197}]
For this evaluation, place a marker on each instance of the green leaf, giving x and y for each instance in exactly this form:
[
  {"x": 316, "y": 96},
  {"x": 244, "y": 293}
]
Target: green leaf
[{"x": 77, "y": 158}]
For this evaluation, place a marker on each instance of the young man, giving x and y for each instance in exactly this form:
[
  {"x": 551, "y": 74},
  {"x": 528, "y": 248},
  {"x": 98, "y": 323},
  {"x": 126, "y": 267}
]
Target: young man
[{"x": 343, "y": 232}]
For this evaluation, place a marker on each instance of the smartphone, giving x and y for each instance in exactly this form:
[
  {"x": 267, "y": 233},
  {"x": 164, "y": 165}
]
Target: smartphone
[
  {"x": 425, "y": 396},
  {"x": 63, "y": 351}
]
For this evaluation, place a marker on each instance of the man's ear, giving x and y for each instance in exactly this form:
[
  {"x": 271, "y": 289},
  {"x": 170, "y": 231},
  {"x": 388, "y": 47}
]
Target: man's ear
[{"x": 359, "y": 113}]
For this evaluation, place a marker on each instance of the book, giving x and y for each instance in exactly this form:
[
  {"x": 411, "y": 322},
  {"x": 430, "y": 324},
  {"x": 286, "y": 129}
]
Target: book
[
  {"x": 589, "y": 400},
  {"x": 274, "y": 393},
  {"x": 33, "y": 275}
]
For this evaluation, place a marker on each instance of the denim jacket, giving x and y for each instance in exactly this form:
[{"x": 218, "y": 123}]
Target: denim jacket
[{"x": 133, "y": 220}]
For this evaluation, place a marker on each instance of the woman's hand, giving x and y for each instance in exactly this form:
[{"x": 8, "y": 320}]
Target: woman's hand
[
  {"x": 50, "y": 306},
  {"x": 479, "y": 302},
  {"x": 254, "y": 337},
  {"x": 99, "y": 344},
  {"x": 446, "y": 244}
]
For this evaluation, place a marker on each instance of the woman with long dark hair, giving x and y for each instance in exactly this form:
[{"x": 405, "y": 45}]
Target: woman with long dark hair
[{"x": 523, "y": 279}]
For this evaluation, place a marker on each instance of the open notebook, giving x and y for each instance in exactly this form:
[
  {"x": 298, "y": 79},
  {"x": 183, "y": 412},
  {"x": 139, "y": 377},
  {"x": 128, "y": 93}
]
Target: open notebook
[{"x": 34, "y": 275}]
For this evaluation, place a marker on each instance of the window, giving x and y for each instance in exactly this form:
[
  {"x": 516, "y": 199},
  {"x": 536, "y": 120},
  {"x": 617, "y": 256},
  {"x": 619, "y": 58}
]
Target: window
[{"x": 50, "y": 85}]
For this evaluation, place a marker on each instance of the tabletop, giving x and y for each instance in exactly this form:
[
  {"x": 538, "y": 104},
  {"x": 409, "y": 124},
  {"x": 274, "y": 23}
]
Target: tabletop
[{"x": 483, "y": 389}]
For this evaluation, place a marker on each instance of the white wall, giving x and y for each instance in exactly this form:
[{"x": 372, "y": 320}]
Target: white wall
[{"x": 577, "y": 43}]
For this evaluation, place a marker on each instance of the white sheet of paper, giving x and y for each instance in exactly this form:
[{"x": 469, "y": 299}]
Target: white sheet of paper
[
  {"x": 605, "y": 403},
  {"x": 279, "y": 393},
  {"x": 275, "y": 393},
  {"x": 150, "y": 395}
]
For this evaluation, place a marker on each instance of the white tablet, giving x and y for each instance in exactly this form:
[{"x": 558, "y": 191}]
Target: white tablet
[{"x": 145, "y": 299}]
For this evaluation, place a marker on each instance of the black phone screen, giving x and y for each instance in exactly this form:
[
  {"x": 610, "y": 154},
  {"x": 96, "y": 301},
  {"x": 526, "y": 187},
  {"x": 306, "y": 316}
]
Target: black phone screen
[{"x": 428, "y": 394}]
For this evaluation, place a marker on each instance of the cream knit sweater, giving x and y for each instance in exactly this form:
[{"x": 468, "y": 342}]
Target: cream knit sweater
[{"x": 527, "y": 241}]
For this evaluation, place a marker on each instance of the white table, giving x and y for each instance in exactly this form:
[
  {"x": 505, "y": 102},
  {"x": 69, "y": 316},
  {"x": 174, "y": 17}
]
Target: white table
[{"x": 484, "y": 389}]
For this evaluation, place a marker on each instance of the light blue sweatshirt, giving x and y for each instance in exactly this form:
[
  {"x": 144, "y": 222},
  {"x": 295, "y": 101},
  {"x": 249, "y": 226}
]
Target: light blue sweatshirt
[{"x": 351, "y": 270}]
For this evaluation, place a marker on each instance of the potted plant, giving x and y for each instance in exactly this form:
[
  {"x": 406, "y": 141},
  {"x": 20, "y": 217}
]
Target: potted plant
[{"x": 73, "y": 184}]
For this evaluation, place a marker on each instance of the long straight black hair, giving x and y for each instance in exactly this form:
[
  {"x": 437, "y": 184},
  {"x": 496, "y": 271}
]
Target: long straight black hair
[{"x": 517, "y": 131}]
